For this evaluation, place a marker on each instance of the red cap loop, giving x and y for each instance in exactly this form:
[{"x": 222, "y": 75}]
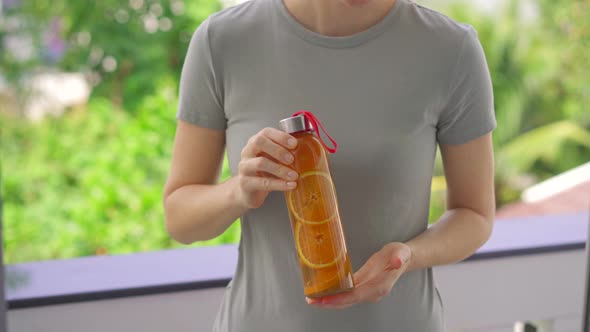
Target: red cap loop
[{"x": 316, "y": 124}]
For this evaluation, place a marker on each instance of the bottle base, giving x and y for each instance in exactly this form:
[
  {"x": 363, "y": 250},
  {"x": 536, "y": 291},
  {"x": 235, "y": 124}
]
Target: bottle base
[{"x": 329, "y": 292}]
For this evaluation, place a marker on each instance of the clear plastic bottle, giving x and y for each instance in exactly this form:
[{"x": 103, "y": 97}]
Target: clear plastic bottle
[{"x": 314, "y": 214}]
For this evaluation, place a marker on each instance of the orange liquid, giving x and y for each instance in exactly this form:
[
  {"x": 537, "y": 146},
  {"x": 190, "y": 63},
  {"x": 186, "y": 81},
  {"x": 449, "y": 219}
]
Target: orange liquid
[{"x": 315, "y": 220}]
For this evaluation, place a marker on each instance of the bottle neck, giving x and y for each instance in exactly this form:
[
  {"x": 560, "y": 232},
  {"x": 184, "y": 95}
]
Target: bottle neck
[
  {"x": 311, "y": 119},
  {"x": 302, "y": 132}
]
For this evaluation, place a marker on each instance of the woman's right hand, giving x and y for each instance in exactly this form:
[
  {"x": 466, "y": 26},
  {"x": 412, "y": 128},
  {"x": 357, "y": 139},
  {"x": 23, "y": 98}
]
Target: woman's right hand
[{"x": 259, "y": 171}]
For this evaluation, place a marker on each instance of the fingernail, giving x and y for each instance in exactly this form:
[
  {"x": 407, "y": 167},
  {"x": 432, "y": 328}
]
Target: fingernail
[
  {"x": 313, "y": 300},
  {"x": 292, "y": 142},
  {"x": 288, "y": 158},
  {"x": 292, "y": 175},
  {"x": 291, "y": 184}
]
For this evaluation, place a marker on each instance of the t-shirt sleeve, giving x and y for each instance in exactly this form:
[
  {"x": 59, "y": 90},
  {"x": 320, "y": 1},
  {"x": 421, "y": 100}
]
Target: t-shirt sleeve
[
  {"x": 200, "y": 102},
  {"x": 469, "y": 112}
]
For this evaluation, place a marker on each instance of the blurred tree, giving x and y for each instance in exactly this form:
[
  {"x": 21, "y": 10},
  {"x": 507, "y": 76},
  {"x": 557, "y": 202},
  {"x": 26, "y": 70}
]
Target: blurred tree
[
  {"x": 566, "y": 28},
  {"x": 541, "y": 129},
  {"x": 125, "y": 47},
  {"x": 90, "y": 182}
]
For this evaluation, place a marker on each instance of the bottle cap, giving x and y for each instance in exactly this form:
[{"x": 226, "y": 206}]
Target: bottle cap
[
  {"x": 306, "y": 121},
  {"x": 295, "y": 124}
]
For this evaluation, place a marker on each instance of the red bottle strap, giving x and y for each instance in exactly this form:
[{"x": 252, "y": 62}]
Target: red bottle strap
[{"x": 316, "y": 124}]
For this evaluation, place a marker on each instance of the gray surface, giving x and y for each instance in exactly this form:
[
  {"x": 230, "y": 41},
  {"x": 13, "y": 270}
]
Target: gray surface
[{"x": 387, "y": 95}]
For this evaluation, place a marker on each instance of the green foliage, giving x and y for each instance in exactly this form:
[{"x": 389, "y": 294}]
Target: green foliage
[
  {"x": 566, "y": 27},
  {"x": 518, "y": 65},
  {"x": 87, "y": 182},
  {"x": 146, "y": 39},
  {"x": 545, "y": 144},
  {"x": 540, "y": 73},
  {"x": 90, "y": 182}
]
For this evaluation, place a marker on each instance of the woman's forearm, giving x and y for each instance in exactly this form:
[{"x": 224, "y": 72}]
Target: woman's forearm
[
  {"x": 456, "y": 236},
  {"x": 201, "y": 212}
]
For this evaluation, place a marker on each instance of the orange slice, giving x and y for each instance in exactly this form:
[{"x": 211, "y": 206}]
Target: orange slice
[
  {"x": 313, "y": 202},
  {"x": 318, "y": 245},
  {"x": 309, "y": 154}
]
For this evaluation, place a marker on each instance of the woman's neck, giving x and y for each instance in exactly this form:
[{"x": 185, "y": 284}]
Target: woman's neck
[{"x": 338, "y": 17}]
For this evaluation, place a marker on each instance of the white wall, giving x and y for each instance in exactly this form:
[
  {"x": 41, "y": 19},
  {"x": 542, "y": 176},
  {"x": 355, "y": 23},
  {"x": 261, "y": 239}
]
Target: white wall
[
  {"x": 173, "y": 312},
  {"x": 489, "y": 295},
  {"x": 486, "y": 295}
]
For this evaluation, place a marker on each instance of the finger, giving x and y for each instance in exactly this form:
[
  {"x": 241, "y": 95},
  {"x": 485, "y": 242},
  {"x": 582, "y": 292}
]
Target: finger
[
  {"x": 313, "y": 300},
  {"x": 252, "y": 167},
  {"x": 253, "y": 183},
  {"x": 260, "y": 144},
  {"x": 394, "y": 263},
  {"x": 372, "y": 292},
  {"x": 280, "y": 137},
  {"x": 375, "y": 265},
  {"x": 367, "y": 271},
  {"x": 340, "y": 300},
  {"x": 318, "y": 303},
  {"x": 376, "y": 289},
  {"x": 332, "y": 306},
  {"x": 398, "y": 256}
]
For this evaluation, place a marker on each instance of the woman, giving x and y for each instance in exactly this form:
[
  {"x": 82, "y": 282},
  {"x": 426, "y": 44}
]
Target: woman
[{"x": 390, "y": 80}]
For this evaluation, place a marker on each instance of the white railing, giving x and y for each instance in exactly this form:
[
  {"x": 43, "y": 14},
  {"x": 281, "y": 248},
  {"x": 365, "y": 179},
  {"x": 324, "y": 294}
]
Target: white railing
[
  {"x": 530, "y": 270},
  {"x": 482, "y": 295}
]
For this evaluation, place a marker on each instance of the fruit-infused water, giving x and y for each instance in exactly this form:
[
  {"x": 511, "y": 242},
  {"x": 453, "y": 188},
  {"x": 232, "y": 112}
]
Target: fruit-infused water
[{"x": 315, "y": 219}]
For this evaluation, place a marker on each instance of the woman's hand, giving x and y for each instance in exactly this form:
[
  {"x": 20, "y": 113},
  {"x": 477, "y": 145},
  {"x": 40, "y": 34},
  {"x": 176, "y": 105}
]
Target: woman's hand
[
  {"x": 262, "y": 167},
  {"x": 374, "y": 280}
]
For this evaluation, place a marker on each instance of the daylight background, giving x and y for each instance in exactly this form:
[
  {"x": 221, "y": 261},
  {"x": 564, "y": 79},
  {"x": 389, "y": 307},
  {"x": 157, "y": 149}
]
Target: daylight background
[{"x": 88, "y": 93}]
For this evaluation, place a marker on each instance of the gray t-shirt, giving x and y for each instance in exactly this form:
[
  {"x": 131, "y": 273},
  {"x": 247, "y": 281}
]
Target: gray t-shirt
[{"x": 387, "y": 95}]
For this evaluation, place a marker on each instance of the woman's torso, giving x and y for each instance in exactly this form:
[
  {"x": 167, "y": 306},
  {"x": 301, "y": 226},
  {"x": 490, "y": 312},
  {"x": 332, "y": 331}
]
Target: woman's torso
[{"x": 379, "y": 94}]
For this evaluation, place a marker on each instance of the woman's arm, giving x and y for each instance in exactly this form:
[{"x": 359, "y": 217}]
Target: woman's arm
[
  {"x": 196, "y": 207},
  {"x": 467, "y": 223},
  {"x": 466, "y": 226}
]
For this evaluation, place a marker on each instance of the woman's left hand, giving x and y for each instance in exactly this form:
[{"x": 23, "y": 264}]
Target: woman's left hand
[{"x": 374, "y": 280}]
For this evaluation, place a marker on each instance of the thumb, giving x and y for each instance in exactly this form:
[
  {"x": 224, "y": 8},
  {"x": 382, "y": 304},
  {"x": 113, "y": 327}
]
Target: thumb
[{"x": 398, "y": 256}]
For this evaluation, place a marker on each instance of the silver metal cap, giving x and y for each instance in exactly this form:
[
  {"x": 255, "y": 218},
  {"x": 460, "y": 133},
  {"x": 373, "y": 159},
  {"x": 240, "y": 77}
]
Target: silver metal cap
[{"x": 294, "y": 124}]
